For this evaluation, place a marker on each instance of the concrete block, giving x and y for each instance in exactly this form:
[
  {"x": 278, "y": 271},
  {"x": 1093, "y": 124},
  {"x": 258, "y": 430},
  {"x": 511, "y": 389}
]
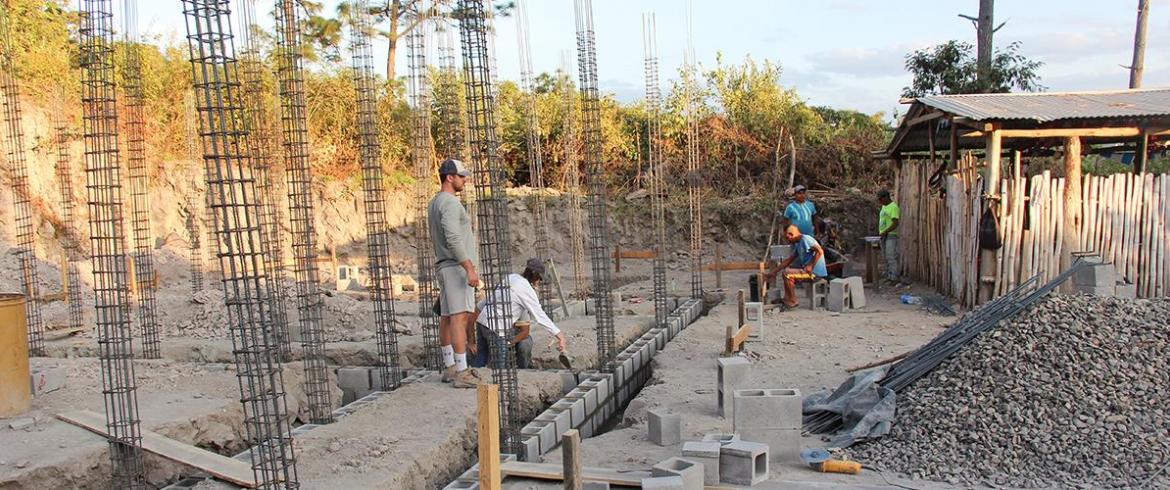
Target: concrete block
[
  {"x": 691, "y": 472},
  {"x": 462, "y": 485},
  {"x": 818, "y": 292},
  {"x": 783, "y": 444},
  {"x": 588, "y": 396},
  {"x": 532, "y": 432},
  {"x": 743, "y": 463},
  {"x": 1097, "y": 290},
  {"x": 733, "y": 374},
  {"x": 577, "y": 407},
  {"x": 780, "y": 253},
  {"x": 755, "y": 317},
  {"x": 568, "y": 380},
  {"x": 1098, "y": 275},
  {"x": 586, "y": 427},
  {"x": 547, "y": 431},
  {"x": 856, "y": 292},
  {"x": 665, "y": 428},
  {"x": 707, "y": 454},
  {"x": 839, "y": 295},
  {"x": 766, "y": 409},
  {"x": 354, "y": 378},
  {"x": 661, "y": 337},
  {"x": 531, "y": 446},
  {"x": 1126, "y": 291},
  {"x": 722, "y": 439},
  {"x": 663, "y": 483},
  {"x": 563, "y": 415},
  {"x": 595, "y": 485},
  {"x": 46, "y": 379}
]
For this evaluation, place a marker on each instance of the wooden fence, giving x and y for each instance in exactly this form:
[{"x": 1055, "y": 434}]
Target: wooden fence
[{"x": 1125, "y": 218}]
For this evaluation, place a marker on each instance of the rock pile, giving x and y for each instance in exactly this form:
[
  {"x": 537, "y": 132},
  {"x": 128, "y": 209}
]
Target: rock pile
[{"x": 1072, "y": 393}]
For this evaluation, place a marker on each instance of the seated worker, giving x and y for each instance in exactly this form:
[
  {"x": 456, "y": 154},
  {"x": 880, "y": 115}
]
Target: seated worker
[
  {"x": 525, "y": 309},
  {"x": 806, "y": 263}
]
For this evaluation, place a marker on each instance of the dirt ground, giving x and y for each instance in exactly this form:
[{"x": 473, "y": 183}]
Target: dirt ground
[{"x": 801, "y": 349}]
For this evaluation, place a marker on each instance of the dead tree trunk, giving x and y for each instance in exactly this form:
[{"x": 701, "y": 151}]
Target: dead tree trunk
[{"x": 1139, "y": 45}]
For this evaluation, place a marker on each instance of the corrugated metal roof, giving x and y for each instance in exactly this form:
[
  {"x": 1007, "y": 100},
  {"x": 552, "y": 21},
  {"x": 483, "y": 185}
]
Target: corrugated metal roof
[{"x": 1045, "y": 107}]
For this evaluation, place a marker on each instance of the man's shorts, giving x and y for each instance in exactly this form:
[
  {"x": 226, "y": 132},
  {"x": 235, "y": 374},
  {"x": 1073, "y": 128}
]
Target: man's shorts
[{"x": 456, "y": 296}]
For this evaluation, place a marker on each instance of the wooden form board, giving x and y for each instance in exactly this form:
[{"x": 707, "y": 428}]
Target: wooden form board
[
  {"x": 222, "y": 467},
  {"x": 736, "y": 338},
  {"x": 733, "y": 266},
  {"x": 552, "y": 471}
]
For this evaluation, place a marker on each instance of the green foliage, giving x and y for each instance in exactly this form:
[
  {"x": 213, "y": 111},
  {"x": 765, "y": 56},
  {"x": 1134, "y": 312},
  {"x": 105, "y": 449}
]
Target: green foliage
[{"x": 950, "y": 68}]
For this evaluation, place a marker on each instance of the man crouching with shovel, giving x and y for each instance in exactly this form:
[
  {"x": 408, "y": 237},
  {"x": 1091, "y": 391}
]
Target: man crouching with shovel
[{"x": 525, "y": 309}]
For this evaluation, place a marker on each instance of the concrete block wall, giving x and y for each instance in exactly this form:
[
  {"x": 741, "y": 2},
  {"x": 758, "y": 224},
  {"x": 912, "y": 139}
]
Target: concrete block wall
[{"x": 598, "y": 396}]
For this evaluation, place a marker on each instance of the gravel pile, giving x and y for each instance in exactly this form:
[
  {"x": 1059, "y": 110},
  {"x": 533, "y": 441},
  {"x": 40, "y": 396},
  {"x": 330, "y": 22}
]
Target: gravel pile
[{"x": 1074, "y": 393}]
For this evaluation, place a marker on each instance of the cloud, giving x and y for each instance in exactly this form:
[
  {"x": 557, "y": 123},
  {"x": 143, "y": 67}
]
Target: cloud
[{"x": 861, "y": 62}]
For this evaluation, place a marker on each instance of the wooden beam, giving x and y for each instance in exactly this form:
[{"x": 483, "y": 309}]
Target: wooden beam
[
  {"x": 1072, "y": 200},
  {"x": 733, "y": 266},
  {"x": 718, "y": 271},
  {"x": 1127, "y": 132},
  {"x": 954, "y": 146},
  {"x": 571, "y": 459},
  {"x": 735, "y": 340},
  {"x": 552, "y": 471},
  {"x": 222, "y": 467},
  {"x": 1142, "y": 153},
  {"x": 634, "y": 254},
  {"x": 930, "y": 116},
  {"x": 488, "y": 425}
]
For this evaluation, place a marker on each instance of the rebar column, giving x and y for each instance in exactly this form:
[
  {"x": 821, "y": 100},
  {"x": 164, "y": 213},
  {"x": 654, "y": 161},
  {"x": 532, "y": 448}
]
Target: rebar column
[
  {"x": 108, "y": 240},
  {"x": 374, "y": 191},
  {"x": 135, "y": 124},
  {"x": 447, "y": 101},
  {"x": 300, "y": 196},
  {"x": 25, "y": 234},
  {"x": 573, "y": 178},
  {"x": 596, "y": 204},
  {"x": 424, "y": 185},
  {"x": 72, "y": 249},
  {"x": 495, "y": 259},
  {"x": 235, "y": 206},
  {"x": 654, "y": 160},
  {"x": 260, "y": 131},
  {"x": 694, "y": 177},
  {"x": 534, "y": 153},
  {"x": 194, "y": 240}
]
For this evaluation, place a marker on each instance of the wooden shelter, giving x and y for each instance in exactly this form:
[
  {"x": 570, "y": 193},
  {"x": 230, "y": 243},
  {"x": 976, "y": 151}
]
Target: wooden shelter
[{"x": 946, "y": 191}]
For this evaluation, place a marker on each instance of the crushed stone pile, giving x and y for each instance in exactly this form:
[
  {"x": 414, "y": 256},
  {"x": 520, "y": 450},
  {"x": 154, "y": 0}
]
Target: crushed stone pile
[{"x": 1073, "y": 393}]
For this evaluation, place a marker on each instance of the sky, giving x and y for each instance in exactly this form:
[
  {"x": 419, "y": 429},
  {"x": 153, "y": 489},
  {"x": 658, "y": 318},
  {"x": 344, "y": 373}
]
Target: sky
[{"x": 848, "y": 54}]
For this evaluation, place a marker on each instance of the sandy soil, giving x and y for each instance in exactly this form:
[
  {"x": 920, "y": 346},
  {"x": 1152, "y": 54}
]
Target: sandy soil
[{"x": 801, "y": 349}]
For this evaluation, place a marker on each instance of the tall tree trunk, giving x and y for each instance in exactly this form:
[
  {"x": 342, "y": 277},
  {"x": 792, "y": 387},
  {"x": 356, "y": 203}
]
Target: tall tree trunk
[
  {"x": 985, "y": 29},
  {"x": 1139, "y": 45},
  {"x": 392, "y": 37}
]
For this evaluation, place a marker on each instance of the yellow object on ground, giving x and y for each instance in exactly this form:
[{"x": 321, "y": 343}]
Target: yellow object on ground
[
  {"x": 838, "y": 466},
  {"x": 14, "y": 388}
]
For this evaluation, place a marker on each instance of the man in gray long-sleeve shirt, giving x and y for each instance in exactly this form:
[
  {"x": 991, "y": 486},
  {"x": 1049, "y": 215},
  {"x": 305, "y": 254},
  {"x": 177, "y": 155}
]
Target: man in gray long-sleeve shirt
[{"x": 454, "y": 246}]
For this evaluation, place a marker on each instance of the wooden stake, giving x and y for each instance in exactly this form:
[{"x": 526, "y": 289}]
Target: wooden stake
[
  {"x": 571, "y": 459},
  {"x": 741, "y": 308},
  {"x": 488, "y": 408},
  {"x": 718, "y": 269}
]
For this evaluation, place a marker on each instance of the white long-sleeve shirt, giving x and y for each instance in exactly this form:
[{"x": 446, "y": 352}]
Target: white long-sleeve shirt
[{"x": 525, "y": 305}]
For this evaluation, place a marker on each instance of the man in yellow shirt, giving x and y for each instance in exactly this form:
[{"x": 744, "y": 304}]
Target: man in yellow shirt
[{"x": 888, "y": 219}]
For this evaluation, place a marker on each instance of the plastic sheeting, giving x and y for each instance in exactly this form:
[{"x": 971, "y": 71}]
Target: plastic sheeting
[{"x": 866, "y": 408}]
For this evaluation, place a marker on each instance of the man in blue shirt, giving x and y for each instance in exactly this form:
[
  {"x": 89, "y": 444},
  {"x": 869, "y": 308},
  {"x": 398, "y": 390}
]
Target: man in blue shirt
[
  {"x": 807, "y": 263},
  {"x": 800, "y": 211}
]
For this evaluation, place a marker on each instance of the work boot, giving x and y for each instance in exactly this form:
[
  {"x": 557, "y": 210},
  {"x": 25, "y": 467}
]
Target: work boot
[
  {"x": 465, "y": 379},
  {"x": 449, "y": 374}
]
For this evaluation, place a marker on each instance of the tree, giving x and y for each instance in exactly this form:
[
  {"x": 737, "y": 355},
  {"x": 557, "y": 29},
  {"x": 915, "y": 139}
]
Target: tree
[{"x": 949, "y": 68}]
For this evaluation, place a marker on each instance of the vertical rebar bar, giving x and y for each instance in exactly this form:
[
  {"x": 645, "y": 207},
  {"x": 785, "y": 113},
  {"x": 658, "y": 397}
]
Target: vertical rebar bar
[
  {"x": 572, "y": 141},
  {"x": 137, "y": 173},
  {"x": 533, "y": 152},
  {"x": 70, "y": 246},
  {"x": 300, "y": 195},
  {"x": 194, "y": 238},
  {"x": 694, "y": 177},
  {"x": 108, "y": 241},
  {"x": 235, "y": 207},
  {"x": 654, "y": 160},
  {"x": 260, "y": 131},
  {"x": 492, "y": 213},
  {"x": 447, "y": 100},
  {"x": 599, "y": 238},
  {"x": 420, "y": 152},
  {"x": 374, "y": 191},
  {"x": 25, "y": 234}
]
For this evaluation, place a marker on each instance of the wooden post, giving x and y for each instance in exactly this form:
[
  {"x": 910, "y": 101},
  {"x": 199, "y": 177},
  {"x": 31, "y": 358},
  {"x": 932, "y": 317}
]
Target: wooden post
[
  {"x": 1072, "y": 199},
  {"x": 718, "y": 267},
  {"x": 987, "y": 266},
  {"x": 994, "y": 149},
  {"x": 761, "y": 283},
  {"x": 954, "y": 146},
  {"x": 741, "y": 308},
  {"x": 131, "y": 275},
  {"x": 1139, "y": 45},
  {"x": 617, "y": 258},
  {"x": 571, "y": 459},
  {"x": 1141, "y": 158},
  {"x": 488, "y": 425}
]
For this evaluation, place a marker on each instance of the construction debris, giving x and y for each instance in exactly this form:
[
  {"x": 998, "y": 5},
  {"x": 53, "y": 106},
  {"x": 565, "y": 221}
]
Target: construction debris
[{"x": 1075, "y": 392}]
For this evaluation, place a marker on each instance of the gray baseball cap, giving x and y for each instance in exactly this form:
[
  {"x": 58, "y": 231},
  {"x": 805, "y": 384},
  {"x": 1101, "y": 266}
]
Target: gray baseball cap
[
  {"x": 799, "y": 188},
  {"x": 452, "y": 166}
]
